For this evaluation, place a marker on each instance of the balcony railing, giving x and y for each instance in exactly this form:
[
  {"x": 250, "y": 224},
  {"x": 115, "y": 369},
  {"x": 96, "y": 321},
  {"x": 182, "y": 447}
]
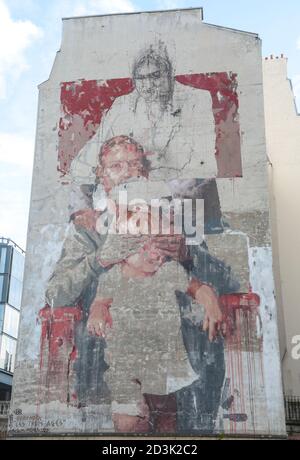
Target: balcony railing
[
  {"x": 292, "y": 410},
  {"x": 4, "y": 409}
]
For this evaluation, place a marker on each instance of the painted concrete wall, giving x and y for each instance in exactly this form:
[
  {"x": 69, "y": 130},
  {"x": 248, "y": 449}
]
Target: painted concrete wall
[
  {"x": 283, "y": 147},
  {"x": 149, "y": 334}
]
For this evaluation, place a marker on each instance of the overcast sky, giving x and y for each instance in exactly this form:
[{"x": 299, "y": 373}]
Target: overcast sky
[{"x": 30, "y": 32}]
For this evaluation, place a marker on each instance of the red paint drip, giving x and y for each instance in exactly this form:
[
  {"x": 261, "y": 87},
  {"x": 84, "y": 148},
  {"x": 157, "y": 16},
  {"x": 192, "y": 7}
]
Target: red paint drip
[
  {"x": 239, "y": 312},
  {"x": 57, "y": 347}
]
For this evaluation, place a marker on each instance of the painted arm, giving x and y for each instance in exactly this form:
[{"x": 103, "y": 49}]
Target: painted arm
[
  {"x": 76, "y": 268},
  {"x": 205, "y": 295}
]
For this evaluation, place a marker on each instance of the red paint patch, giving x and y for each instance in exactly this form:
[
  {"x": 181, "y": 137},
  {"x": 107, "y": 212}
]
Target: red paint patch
[
  {"x": 240, "y": 312},
  {"x": 246, "y": 302},
  {"x": 124, "y": 423},
  {"x": 86, "y": 218},
  {"x": 57, "y": 350},
  {"x": 83, "y": 105}
]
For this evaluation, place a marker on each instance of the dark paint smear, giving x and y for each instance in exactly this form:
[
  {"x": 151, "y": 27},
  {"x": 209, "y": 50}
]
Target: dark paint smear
[
  {"x": 236, "y": 418},
  {"x": 163, "y": 413}
]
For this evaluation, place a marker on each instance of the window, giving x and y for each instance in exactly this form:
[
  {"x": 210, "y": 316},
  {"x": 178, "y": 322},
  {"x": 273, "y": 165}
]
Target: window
[
  {"x": 1, "y": 317},
  {"x": 3, "y": 252},
  {"x": 11, "y": 321},
  {"x": 17, "y": 267},
  {"x": 5, "y": 258},
  {"x": 15, "y": 292},
  {"x": 3, "y": 288},
  {"x": 7, "y": 353}
]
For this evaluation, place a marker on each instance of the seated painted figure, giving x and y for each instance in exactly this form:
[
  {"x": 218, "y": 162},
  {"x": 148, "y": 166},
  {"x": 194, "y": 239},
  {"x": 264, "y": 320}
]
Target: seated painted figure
[{"x": 186, "y": 393}]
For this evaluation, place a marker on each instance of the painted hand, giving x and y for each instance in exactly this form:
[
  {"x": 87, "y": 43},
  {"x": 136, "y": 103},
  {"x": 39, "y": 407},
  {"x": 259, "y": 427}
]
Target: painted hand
[
  {"x": 169, "y": 246},
  {"x": 127, "y": 244},
  {"x": 213, "y": 321},
  {"x": 99, "y": 317}
]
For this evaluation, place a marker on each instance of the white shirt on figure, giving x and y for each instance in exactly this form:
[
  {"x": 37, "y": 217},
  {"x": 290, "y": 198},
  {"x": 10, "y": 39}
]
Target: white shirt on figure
[{"x": 180, "y": 140}]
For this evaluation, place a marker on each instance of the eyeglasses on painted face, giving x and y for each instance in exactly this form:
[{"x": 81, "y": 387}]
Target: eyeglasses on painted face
[{"x": 119, "y": 165}]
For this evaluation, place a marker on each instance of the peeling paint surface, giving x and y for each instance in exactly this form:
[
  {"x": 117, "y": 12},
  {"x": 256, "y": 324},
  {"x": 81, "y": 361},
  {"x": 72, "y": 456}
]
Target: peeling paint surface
[{"x": 84, "y": 103}]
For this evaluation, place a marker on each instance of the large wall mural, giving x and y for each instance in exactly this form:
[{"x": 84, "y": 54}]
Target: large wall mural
[{"x": 142, "y": 330}]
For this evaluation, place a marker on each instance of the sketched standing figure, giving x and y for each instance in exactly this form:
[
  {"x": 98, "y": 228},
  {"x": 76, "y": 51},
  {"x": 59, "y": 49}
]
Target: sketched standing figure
[{"x": 172, "y": 121}]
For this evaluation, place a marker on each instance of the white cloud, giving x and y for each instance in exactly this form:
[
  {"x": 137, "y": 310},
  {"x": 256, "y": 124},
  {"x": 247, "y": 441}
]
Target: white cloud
[
  {"x": 16, "y": 150},
  {"x": 16, "y": 158},
  {"x": 103, "y": 7},
  {"x": 14, "y": 218},
  {"x": 15, "y": 38}
]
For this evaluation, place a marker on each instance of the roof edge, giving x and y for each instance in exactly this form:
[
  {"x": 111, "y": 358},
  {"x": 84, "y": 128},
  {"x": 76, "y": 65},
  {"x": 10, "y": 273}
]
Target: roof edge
[
  {"x": 239, "y": 31},
  {"x": 10, "y": 242},
  {"x": 200, "y": 9}
]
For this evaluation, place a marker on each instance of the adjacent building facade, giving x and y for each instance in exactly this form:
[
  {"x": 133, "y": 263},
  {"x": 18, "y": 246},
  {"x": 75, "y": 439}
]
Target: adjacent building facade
[
  {"x": 283, "y": 148},
  {"x": 11, "y": 282},
  {"x": 144, "y": 332}
]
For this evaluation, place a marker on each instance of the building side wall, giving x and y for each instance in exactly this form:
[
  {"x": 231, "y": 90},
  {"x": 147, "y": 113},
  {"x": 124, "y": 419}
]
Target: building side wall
[
  {"x": 190, "y": 96},
  {"x": 283, "y": 146}
]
